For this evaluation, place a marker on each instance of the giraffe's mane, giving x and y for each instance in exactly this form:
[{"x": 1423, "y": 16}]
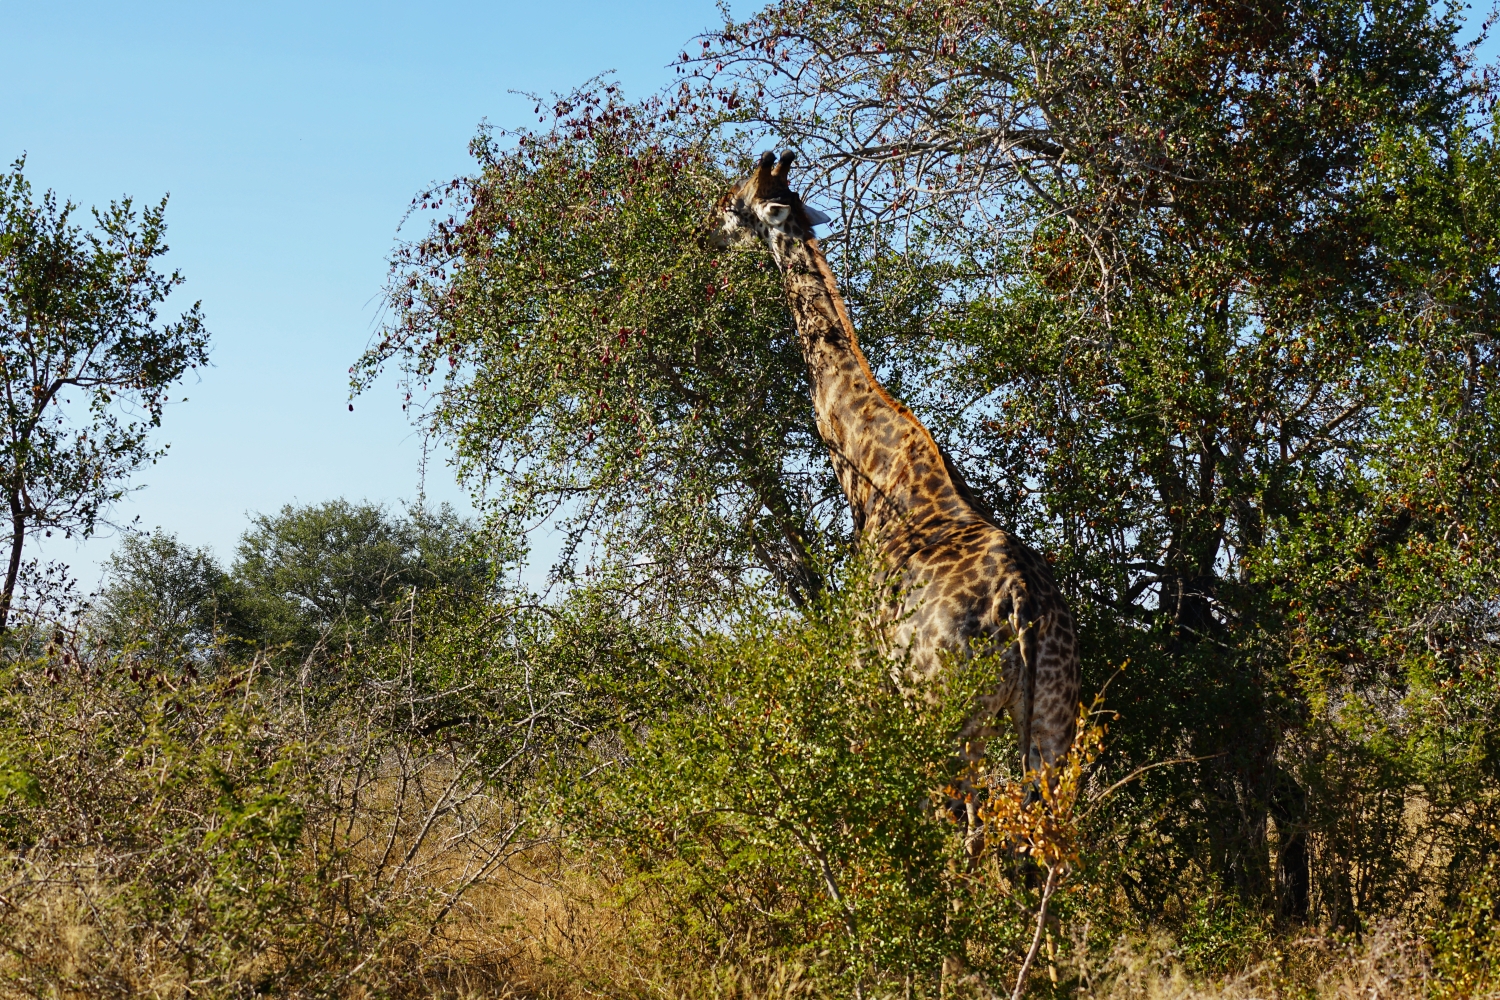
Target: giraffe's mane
[{"x": 902, "y": 410}]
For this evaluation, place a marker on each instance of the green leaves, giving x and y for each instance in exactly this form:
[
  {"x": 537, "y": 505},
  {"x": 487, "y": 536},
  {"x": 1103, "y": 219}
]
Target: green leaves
[
  {"x": 317, "y": 580},
  {"x": 1215, "y": 330},
  {"x": 789, "y": 797},
  {"x": 594, "y": 364},
  {"x": 80, "y": 335},
  {"x": 333, "y": 574}
]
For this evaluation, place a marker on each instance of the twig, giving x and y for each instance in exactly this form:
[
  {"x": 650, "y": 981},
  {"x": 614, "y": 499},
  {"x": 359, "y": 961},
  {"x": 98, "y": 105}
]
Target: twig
[
  {"x": 1098, "y": 800},
  {"x": 1036, "y": 937}
]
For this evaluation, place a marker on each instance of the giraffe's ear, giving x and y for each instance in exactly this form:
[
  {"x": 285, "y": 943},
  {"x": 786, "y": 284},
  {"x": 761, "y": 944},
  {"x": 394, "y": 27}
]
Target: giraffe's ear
[{"x": 815, "y": 217}]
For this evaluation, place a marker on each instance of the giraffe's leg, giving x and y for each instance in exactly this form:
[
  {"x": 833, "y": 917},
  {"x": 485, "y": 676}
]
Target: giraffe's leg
[
  {"x": 1054, "y": 724},
  {"x": 1031, "y": 873},
  {"x": 1029, "y": 756},
  {"x": 974, "y": 832},
  {"x": 971, "y": 789},
  {"x": 1052, "y": 738},
  {"x": 975, "y": 737},
  {"x": 1033, "y": 759},
  {"x": 1053, "y": 741},
  {"x": 1026, "y": 754}
]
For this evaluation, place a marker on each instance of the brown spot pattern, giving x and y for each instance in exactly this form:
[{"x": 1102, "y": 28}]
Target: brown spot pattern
[{"x": 968, "y": 585}]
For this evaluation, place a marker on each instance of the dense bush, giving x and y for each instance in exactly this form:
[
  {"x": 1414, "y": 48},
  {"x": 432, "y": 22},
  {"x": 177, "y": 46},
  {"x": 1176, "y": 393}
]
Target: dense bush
[
  {"x": 177, "y": 832},
  {"x": 788, "y": 801},
  {"x": 1201, "y": 297},
  {"x": 503, "y": 796}
]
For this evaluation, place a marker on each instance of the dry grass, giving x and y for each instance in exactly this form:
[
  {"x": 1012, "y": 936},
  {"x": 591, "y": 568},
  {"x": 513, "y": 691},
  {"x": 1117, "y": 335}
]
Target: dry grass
[
  {"x": 555, "y": 928},
  {"x": 550, "y": 928},
  {"x": 1388, "y": 964},
  {"x": 538, "y": 928}
]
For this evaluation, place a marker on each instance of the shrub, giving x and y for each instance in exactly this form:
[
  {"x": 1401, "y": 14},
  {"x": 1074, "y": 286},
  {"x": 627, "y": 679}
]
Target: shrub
[
  {"x": 181, "y": 834},
  {"x": 789, "y": 805}
]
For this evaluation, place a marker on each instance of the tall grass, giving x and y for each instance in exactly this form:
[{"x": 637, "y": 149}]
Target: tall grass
[{"x": 453, "y": 815}]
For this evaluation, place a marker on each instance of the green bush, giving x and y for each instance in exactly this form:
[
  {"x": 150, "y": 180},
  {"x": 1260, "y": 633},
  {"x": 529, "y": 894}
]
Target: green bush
[
  {"x": 233, "y": 833},
  {"x": 790, "y": 804}
]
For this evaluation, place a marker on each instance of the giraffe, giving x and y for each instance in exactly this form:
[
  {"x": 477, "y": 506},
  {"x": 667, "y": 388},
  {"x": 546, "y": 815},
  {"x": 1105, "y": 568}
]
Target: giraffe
[{"x": 969, "y": 585}]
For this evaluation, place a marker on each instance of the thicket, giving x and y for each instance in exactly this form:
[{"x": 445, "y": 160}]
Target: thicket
[{"x": 1202, "y": 299}]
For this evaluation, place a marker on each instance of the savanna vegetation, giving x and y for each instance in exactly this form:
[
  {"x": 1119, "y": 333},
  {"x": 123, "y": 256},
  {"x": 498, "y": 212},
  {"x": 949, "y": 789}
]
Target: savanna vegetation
[{"x": 1200, "y": 296}]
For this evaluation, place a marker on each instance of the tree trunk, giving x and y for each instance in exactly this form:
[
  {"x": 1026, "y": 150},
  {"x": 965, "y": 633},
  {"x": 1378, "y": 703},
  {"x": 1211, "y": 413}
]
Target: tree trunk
[
  {"x": 13, "y": 569},
  {"x": 1293, "y": 877}
]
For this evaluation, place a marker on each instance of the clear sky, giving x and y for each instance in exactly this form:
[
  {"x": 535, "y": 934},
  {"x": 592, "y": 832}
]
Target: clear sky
[{"x": 290, "y": 137}]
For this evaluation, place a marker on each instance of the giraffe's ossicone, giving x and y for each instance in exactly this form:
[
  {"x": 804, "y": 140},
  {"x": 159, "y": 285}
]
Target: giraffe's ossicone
[{"x": 969, "y": 585}]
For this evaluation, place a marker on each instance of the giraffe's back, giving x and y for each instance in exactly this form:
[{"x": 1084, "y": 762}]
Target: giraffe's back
[{"x": 971, "y": 587}]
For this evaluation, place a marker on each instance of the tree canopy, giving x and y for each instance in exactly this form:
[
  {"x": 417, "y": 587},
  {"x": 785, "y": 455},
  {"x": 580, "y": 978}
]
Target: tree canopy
[
  {"x": 1200, "y": 296},
  {"x": 85, "y": 362},
  {"x": 321, "y": 577}
]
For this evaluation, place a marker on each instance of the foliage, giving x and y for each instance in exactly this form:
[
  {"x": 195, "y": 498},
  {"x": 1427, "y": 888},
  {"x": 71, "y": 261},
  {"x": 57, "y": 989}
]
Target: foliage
[
  {"x": 329, "y": 574},
  {"x": 1127, "y": 147},
  {"x": 230, "y": 836},
  {"x": 176, "y": 833},
  {"x": 1466, "y": 942},
  {"x": 596, "y": 371},
  {"x": 1202, "y": 299},
  {"x": 172, "y": 815},
  {"x": 1039, "y": 818},
  {"x": 79, "y": 330},
  {"x": 322, "y": 576},
  {"x": 1208, "y": 459},
  {"x": 1388, "y": 580},
  {"x": 788, "y": 801},
  {"x": 167, "y": 602}
]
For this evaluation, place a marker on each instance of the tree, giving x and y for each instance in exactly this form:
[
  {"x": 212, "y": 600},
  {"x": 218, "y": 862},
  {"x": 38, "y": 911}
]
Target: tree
[
  {"x": 167, "y": 600},
  {"x": 596, "y": 369},
  {"x": 1177, "y": 336},
  {"x": 1200, "y": 297},
  {"x": 1170, "y": 146},
  {"x": 85, "y": 364},
  {"x": 332, "y": 572}
]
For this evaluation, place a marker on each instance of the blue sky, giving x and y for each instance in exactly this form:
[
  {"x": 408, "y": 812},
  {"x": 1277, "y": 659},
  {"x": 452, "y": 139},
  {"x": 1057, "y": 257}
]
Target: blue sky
[{"x": 291, "y": 138}]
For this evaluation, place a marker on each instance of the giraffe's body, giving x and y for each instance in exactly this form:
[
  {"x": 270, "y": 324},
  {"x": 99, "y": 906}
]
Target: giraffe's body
[{"x": 969, "y": 585}]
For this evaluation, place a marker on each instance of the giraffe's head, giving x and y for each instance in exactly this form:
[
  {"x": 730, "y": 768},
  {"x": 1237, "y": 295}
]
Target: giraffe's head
[{"x": 763, "y": 207}]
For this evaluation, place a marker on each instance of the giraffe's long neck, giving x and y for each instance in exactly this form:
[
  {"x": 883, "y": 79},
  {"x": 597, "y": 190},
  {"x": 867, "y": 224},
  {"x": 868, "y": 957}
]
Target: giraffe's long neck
[{"x": 893, "y": 472}]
